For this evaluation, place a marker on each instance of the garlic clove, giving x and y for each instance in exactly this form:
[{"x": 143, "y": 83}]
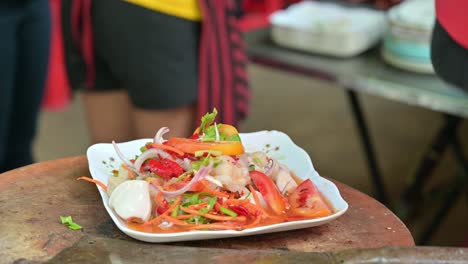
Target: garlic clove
[{"x": 131, "y": 200}]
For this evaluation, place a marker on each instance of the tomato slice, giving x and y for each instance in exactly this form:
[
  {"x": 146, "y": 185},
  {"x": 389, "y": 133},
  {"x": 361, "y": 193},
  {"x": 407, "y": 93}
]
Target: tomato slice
[
  {"x": 191, "y": 146},
  {"x": 306, "y": 201},
  {"x": 269, "y": 191}
]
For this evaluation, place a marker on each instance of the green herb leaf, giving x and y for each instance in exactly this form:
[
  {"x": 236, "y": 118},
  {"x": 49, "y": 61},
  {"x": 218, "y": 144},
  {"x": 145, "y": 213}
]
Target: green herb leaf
[
  {"x": 207, "y": 120},
  {"x": 251, "y": 167},
  {"x": 67, "y": 220},
  {"x": 234, "y": 137}
]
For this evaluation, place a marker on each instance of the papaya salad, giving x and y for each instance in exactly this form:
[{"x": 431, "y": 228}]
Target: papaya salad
[{"x": 207, "y": 182}]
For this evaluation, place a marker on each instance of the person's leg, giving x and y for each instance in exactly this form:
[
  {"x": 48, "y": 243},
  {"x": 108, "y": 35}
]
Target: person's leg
[
  {"x": 33, "y": 54},
  {"x": 180, "y": 120},
  {"x": 154, "y": 56},
  {"x": 8, "y": 23},
  {"x": 108, "y": 116}
]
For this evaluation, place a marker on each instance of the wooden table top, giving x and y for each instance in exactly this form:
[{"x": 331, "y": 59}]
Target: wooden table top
[{"x": 33, "y": 198}]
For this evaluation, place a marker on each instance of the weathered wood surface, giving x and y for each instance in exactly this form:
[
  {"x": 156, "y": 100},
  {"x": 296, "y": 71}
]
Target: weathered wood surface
[{"x": 32, "y": 198}]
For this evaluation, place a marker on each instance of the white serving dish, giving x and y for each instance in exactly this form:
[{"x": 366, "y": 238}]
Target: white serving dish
[
  {"x": 103, "y": 159},
  {"x": 327, "y": 28}
]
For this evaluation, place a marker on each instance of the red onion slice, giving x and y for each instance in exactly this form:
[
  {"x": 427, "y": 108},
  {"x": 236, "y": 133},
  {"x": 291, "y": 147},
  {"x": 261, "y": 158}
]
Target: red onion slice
[
  {"x": 271, "y": 167},
  {"x": 158, "y": 138},
  {"x": 122, "y": 157},
  {"x": 201, "y": 173}
]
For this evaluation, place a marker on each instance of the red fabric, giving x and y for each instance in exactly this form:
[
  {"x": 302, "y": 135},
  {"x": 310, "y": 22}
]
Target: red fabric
[
  {"x": 222, "y": 78},
  {"x": 82, "y": 35},
  {"x": 452, "y": 15},
  {"x": 57, "y": 89}
]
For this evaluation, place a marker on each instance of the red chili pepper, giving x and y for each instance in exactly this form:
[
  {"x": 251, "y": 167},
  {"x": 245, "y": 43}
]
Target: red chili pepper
[
  {"x": 158, "y": 168},
  {"x": 216, "y": 207},
  {"x": 173, "y": 166},
  {"x": 161, "y": 210},
  {"x": 165, "y": 168},
  {"x": 194, "y": 136},
  {"x": 240, "y": 210}
]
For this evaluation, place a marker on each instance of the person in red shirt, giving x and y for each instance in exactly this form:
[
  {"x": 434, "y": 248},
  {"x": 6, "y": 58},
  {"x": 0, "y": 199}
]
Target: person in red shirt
[{"x": 449, "y": 49}]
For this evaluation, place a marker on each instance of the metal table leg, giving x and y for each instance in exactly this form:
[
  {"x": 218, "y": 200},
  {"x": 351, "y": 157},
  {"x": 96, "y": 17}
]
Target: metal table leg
[
  {"x": 458, "y": 185},
  {"x": 412, "y": 195},
  {"x": 376, "y": 178}
]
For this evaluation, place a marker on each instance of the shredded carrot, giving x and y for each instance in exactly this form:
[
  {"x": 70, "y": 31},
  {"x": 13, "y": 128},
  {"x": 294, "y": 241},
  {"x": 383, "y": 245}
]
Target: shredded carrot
[
  {"x": 183, "y": 217},
  {"x": 237, "y": 201},
  {"x": 166, "y": 147},
  {"x": 253, "y": 224},
  {"x": 215, "y": 217},
  {"x": 211, "y": 191},
  {"x": 159, "y": 198},
  {"x": 175, "y": 220},
  {"x": 257, "y": 200},
  {"x": 97, "y": 182},
  {"x": 218, "y": 226},
  {"x": 198, "y": 206},
  {"x": 159, "y": 217}
]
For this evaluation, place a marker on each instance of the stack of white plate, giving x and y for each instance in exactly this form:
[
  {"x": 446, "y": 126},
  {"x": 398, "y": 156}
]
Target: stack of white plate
[{"x": 407, "y": 42}]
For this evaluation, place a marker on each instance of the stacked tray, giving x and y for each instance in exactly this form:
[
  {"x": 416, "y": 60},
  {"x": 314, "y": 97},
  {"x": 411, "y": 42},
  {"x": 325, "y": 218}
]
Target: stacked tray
[
  {"x": 327, "y": 28},
  {"x": 407, "y": 42}
]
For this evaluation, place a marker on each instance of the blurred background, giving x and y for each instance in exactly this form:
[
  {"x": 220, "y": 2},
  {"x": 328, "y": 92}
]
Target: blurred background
[{"x": 315, "y": 111}]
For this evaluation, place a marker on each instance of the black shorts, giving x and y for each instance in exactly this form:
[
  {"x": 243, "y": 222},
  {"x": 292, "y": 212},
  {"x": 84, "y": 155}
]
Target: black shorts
[
  {"x": 450, "y": 60},
  {"x": 152, "y": 55}
]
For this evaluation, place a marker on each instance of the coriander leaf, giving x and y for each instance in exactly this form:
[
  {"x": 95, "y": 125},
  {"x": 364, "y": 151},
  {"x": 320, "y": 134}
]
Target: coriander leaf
[{"x": 207, "y": 120}]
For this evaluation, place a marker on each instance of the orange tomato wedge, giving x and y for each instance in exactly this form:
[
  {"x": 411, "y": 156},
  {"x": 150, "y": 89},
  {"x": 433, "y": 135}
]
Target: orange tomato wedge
[
  {"x": 228, "y": 130},
  {"x": 306, "y": 201},
  {"x": 191, "y": 146}
]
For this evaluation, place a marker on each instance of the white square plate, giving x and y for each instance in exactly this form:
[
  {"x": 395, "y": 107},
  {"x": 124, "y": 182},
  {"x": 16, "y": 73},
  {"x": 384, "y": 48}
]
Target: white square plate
[{"x": 103, "y": 159}]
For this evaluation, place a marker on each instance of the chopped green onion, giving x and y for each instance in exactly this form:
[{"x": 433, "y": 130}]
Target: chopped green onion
[
  {"x": 210, "y": 206},
  {"x": 194, "y": 199},
  {"x": 197, "y": 220},
  {"x": 228, "y": 212},
  {"x": 175, "y": 212},
  {"x": 67, "y": 220},
  {"x": 143, "y": 149}
]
